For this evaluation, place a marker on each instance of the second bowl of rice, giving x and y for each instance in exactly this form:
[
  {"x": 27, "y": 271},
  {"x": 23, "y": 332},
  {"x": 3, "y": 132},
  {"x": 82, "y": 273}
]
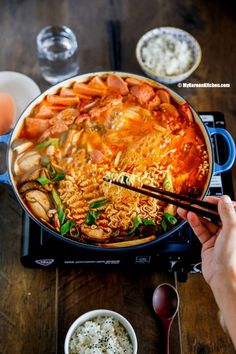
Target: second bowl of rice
[{"x": 101, "y": 331}]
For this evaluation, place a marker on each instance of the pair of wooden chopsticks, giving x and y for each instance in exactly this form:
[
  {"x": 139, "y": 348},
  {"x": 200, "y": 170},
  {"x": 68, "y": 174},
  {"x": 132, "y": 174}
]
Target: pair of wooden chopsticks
[
  {"x": 202, "y": 208},
  {"x": 113, "y": 29}
]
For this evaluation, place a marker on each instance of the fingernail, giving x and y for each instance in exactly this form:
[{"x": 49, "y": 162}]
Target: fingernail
[{"x": 226, "y": 199}]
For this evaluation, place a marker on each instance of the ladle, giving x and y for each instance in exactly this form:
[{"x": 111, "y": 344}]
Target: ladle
[{"x": 165, "y": 302}]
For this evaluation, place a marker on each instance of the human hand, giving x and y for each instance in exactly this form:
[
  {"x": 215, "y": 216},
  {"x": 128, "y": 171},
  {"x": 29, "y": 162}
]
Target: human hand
[{"x": 218, "y": 243}]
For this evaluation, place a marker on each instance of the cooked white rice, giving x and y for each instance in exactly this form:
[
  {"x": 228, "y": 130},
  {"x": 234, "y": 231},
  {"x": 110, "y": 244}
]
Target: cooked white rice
[
  {"x": 100, "y": 335},
  {"x": 167, "y": 55}
]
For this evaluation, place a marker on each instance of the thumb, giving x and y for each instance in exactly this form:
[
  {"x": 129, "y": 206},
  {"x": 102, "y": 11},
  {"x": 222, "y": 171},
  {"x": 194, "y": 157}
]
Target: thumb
[{"x": 226, "y": 210}]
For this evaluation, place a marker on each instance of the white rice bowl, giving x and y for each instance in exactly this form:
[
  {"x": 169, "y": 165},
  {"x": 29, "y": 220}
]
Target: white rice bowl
[
  {"x": 99, "y": 332},
  {"x": 168, "y": 54}
]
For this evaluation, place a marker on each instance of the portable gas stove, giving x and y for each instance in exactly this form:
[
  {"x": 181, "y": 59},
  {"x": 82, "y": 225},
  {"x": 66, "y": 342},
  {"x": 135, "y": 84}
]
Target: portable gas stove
[{"x": 179, "y": 253}]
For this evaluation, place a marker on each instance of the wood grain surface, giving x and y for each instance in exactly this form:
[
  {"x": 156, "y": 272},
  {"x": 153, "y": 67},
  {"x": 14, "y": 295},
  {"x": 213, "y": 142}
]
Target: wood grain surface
[
  {"x": 38, "y": 306},
  {"x": 202, "y": 332}
]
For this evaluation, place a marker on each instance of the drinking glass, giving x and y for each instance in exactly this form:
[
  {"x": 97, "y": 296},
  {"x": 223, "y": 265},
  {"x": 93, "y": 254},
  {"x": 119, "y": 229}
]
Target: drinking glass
[{"x": 57, "y": 51}]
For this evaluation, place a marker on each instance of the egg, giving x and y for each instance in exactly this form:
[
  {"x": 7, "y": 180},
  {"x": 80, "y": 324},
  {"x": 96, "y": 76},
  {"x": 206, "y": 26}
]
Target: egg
[{"x": 7, "y": 112}]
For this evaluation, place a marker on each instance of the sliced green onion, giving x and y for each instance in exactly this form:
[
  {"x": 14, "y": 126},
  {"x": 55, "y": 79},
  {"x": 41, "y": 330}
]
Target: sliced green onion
[
  {"x": 62, "y": 138},
  {"x": 56, "y": 198},
  {"x": 98, "y": 203},
  {"x": 137, "y": 221},
  {"x": 46, "y": 143},
  {"x": 58, "y": 177},
  {"x": 116, "y": 233},
  {"x": 148, "y": 222},
  {"x": 45, "y": 160},
  {"x": 125, "y": 180},
  {"x": 164, "y": 224},
  {"x": 91, "y": 217},
  {"x": 43, "y": 180},
  {"x": 61, "y": 215},
  {"x": 55, "y": 176},
  {"x": 42, "y": 145},
  {"x": 67, "y": 226},
  {"x": 167, "y": 183},
  {"x": 170, "y": 218},
  {"x": 74, "y": 126},
  {"x": 51, "y": 170},
  {"x": 74, "y": 234},
  {"x": 54, "y": 141}
]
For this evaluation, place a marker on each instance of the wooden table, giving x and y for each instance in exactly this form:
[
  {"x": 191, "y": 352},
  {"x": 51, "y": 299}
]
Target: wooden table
[{"x": 37, "y": 306}]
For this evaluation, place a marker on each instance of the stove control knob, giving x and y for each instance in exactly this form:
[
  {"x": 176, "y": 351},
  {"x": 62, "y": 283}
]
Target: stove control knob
[
  {"x": 173, "y": 265},
  {"x": 197, "y": 268}
]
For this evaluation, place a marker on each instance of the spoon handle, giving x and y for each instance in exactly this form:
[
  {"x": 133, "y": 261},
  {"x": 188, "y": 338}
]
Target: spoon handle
[
  {"x": 166, "y": 327},
  {"x": 168, "y": 342}
]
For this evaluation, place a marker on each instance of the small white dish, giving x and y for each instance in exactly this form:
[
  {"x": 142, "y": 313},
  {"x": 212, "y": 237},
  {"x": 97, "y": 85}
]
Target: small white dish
[
  {"x": 21, "y": 87},
  {"x": 91, "y": 315},
  {"x": 178, "y": 35}
]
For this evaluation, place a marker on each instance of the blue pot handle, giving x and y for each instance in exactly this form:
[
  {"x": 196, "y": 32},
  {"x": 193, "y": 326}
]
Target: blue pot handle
[
  {"x": 4, "y": 177},
  {"x": 231, "y": 148}
]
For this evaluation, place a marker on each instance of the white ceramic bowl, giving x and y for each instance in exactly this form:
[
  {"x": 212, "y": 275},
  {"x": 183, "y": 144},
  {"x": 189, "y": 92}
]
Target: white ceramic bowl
[
  {"x": 21, "y": 87},
  {"x": 177, "y": 34},
  {"x": 92, "y": 314}
]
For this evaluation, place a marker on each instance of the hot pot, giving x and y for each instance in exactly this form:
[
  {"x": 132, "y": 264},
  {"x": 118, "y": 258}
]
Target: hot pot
[{"x": 215, "y": 168}]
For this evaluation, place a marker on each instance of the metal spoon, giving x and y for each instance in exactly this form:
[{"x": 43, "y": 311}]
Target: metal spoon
[{"x": 165, "y": 302}]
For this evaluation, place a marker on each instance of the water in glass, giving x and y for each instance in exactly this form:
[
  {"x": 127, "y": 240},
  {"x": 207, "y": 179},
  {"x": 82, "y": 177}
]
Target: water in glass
[{"x": 57, "y": 53}]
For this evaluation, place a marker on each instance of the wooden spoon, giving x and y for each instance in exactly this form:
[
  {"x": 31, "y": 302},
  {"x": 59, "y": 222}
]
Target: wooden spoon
[{"x": 165, "y": 302}]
